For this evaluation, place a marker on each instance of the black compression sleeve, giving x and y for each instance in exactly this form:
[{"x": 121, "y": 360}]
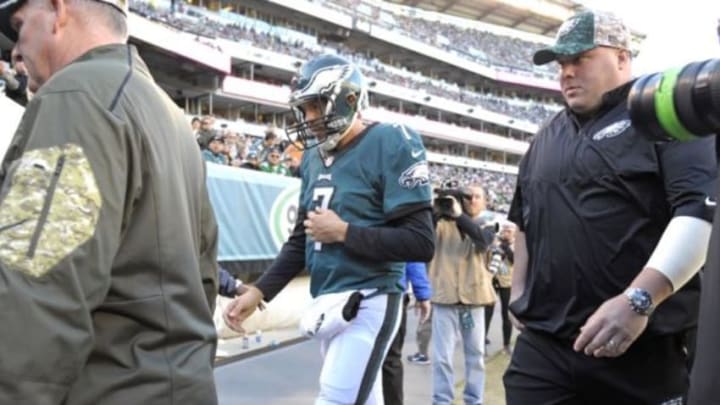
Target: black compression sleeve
[
  {"x": 410, "y": 238},
  {"x": 468, "y": 227},
  {"x": 289, "y": 262}
]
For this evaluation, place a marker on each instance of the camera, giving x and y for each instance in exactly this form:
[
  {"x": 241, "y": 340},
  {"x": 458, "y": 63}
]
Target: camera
[
  {"x": 678, "y": 104},
  {"x": 443, "y": 204},
  {"x": 497, "y": 261}
]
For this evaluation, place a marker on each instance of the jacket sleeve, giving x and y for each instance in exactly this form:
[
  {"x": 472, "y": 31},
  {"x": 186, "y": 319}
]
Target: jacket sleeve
[
  {"x": 208, "y": 251},
  {"x": 689, "y": 174},
  {"x": 62, "y": 206},
  {"x": 227, "y": 282},
  {"x": 417, "y": 274}
]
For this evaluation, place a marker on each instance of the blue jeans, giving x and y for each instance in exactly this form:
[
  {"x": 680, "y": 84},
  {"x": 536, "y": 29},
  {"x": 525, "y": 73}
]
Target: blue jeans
[{"x": 446, "y": 326}]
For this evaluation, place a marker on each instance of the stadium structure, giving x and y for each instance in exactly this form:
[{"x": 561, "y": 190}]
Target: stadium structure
[{"x": 465, "y": 84}]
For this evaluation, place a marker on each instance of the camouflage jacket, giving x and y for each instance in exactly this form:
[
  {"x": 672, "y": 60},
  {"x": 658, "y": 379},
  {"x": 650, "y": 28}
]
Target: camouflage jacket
[{"x": 105, "y": 231}]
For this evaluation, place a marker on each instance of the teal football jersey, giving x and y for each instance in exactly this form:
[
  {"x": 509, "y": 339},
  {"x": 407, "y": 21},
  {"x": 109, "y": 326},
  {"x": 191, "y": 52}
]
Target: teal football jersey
[{"x": 365, "y": 184}]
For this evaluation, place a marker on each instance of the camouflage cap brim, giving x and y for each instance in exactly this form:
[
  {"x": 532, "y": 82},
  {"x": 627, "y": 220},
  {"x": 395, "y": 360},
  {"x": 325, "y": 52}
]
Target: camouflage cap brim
[{"x": 547, "y": 55}]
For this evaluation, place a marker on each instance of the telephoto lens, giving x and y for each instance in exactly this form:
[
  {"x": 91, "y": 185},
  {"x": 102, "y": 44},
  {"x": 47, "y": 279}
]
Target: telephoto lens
[{"x": 678, "y": 104}]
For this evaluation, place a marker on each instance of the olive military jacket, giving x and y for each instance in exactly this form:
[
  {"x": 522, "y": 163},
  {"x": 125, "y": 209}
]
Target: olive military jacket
[{"x": 106, "y": 238}]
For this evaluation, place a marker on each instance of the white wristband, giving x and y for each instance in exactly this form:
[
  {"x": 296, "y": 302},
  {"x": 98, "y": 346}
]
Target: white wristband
[{"x": 682, "y": 249}]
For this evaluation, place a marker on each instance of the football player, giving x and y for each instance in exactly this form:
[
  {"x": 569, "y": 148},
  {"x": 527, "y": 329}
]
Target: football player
[{"x": 365, "y": 210}]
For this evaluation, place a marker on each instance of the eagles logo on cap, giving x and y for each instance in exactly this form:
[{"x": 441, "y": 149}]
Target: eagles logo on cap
[
  {"x": 8, "y": 7},
  {"x": 583, "y": 32}
]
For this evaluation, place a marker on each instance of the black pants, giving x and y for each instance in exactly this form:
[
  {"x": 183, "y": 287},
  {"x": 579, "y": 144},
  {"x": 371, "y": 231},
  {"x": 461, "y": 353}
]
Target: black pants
[
  {"x": 504, "y": 294},
  {"x": 547, "y": 371},
  {"x": 392, "y": 369}
]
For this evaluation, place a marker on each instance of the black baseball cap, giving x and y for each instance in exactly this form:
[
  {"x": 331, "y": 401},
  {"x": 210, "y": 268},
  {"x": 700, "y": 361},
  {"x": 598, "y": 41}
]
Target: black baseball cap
[{"x": 8, "y": 7}]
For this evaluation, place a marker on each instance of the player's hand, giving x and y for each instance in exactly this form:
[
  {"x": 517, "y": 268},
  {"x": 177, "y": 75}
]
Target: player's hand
[
  {"x": 423, "y": 310},
  {"x": 242, "y": 289},
  {"x": 611, "y": 330},
  {"x": 325, "y": 226},
  {"x": 241, "y": 307},
  {"x": 517, "y": 324}
]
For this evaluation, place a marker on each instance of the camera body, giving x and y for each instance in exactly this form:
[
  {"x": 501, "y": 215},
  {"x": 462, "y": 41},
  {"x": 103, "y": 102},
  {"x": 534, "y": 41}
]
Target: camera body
[{"x": 443, "y": 203}]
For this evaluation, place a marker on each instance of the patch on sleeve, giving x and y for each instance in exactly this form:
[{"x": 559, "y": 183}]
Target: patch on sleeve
[
  {"x": 50, "y": 206},
  {"x": 416, "y": 175}
]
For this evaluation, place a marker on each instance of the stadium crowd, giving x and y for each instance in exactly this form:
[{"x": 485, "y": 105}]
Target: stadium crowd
[
  {"x": 508, "y": 53},
  {"x": 534, "y": 111}
]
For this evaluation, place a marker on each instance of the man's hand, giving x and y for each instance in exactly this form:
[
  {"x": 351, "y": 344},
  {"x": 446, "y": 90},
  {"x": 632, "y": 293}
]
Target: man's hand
[
  {"x": 517, "y": 324},
  {"x": 242, "y": 289},
  {"x": 422, "y": 310},
  {"x": 325, "y": 226},
  {"x": 242, "y": 307},
  {"x": 515, "y": 294},
  {"x": 456, "y": 207},
  {"x": 611, "y": 330}
]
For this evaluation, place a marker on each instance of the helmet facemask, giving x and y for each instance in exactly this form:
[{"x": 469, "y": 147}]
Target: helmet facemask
[{"x": 336, "y": 101}]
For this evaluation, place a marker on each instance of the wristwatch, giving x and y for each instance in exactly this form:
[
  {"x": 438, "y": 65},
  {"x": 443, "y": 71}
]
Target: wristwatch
[{"x": 640, "y": 300}]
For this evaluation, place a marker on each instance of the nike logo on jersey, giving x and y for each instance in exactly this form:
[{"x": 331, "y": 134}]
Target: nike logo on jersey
[
  {"x": 416, "y": 153},
  {"x": 709, "y": 202},
  {"x": 612, "y": 130}
]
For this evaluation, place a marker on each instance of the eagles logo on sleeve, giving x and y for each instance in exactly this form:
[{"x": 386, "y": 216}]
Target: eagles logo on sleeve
[
  {"x": 50, "y": 206},
  {"x": 416, "y": 175}
]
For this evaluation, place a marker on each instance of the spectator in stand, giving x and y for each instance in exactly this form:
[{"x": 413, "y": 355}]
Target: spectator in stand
[
  {"x": 195, "y": 124},
  {"x": 251, "y": 162},
  {"x": 235, "y": 148},
  {"x": 206, "y": 132},
  {"x": 273, "y": 164},
  {"x": 262, "y": 147},
  {"x": 214, "y": 153},
  {"x": 293, "y": 158}
]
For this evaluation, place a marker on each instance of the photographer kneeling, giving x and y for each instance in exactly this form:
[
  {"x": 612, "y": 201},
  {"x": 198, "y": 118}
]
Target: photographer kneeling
[{"x": 461, "y": 285}]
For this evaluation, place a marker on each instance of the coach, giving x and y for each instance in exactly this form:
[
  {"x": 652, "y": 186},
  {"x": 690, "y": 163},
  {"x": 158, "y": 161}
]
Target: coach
[{"x": 611, "y": 226}]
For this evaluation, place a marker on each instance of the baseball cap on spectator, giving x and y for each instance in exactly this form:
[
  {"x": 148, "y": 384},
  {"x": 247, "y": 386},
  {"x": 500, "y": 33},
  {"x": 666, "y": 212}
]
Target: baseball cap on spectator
[
  {"x": 583, "y": 32},
  {"x": 8, "y": 7},
  {"x": 218, "y": 137},
  {"x": 270, "y": 134}
]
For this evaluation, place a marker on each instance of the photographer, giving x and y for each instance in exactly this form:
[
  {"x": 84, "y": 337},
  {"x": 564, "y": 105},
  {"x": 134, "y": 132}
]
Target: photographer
[
  {"x": 610, "y": 226},
  {"x": 461, "y": 285},
  {"x": 16, "y": 79},
  {"x": 500, "y": 258}
]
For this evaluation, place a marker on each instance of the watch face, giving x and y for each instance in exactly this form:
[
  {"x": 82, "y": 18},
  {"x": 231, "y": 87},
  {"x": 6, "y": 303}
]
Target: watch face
[{"x": 640, "y": 300}]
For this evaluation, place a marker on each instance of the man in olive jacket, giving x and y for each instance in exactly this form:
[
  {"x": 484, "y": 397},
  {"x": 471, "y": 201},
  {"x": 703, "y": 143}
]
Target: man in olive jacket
[{"x": 106, "y": 230}]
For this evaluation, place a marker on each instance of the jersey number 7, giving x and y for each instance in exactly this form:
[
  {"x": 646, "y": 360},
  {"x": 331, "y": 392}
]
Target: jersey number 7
[{"x": 321, "y": 199}]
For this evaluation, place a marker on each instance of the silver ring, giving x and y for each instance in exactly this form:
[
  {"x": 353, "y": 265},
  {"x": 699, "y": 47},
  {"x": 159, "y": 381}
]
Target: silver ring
[{"x": 611, "y": 344}]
